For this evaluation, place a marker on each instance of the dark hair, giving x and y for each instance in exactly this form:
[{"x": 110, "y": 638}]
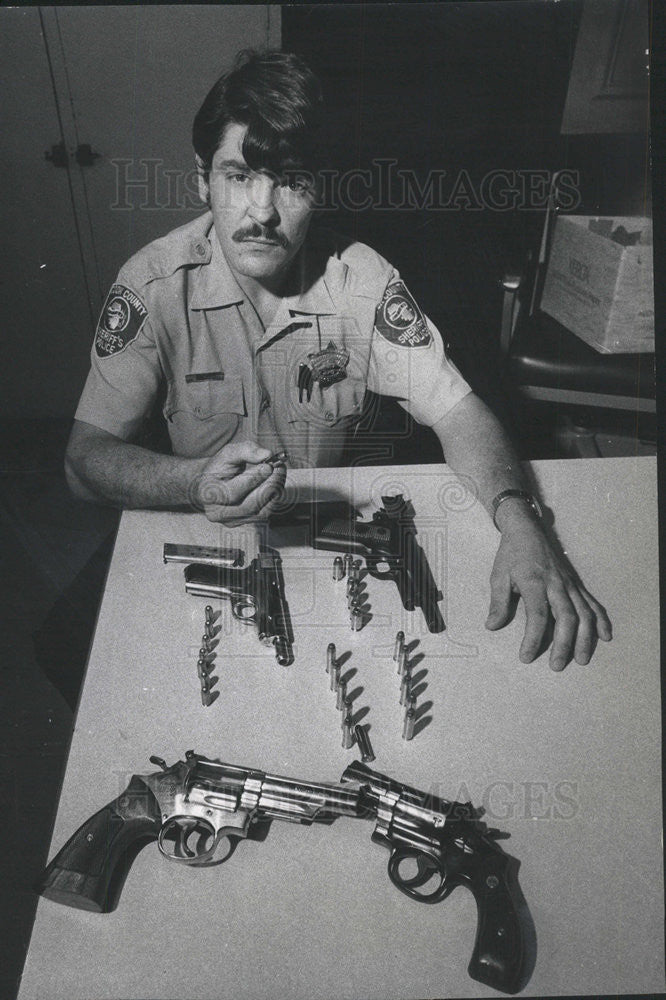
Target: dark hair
[{"x": 279, "y": 98}]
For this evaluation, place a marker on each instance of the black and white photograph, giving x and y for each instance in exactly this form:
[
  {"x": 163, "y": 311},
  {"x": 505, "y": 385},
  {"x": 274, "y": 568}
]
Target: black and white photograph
[{"x": 329, "y": 501}]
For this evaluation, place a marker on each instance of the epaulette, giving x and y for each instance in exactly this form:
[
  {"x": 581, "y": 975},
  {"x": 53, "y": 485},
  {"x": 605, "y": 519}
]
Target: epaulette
[
  {"x": 186, "y": 246},
  {"x": 353, "y": 266},
  {"x": 369, "y": 272}
]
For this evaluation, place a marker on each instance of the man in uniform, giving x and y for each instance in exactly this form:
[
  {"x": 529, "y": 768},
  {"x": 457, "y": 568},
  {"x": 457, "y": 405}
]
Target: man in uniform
[{"x": 267, "y": 333}]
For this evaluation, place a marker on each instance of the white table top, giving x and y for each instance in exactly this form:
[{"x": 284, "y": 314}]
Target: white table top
[{"x": 568, "y": 764}]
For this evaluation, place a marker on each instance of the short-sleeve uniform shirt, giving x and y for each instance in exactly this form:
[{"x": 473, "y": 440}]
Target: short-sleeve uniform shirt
[{"x": 177, "y": 316}]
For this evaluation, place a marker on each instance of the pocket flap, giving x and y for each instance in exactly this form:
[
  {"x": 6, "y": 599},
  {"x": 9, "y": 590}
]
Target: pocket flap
[{"x": 206, "y": 398}]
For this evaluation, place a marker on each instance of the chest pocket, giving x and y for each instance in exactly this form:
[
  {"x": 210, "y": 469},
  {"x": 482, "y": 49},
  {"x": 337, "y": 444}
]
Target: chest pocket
[
  {"x": 335, "y": 406},
  {"x": 206, "y": 399},
  {"x": 203, "y": 416}
]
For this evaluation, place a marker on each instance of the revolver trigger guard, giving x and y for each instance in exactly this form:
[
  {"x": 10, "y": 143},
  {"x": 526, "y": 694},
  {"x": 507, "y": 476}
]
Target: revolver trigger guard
[
  {"x": 210, "y": 860},
  {"x": 194, "y": 842},
  {"x": 174, "y": 839},
  {"x": 427, "y": 867}
]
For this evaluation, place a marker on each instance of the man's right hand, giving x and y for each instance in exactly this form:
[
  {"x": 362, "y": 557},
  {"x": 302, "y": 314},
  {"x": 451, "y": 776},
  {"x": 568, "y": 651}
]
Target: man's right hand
[
  {"x": 237, "y": 484},
  {"x": 234, "y": 485}
]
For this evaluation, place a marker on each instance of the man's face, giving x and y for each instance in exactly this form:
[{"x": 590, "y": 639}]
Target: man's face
[{"x": 260, "y": 220}]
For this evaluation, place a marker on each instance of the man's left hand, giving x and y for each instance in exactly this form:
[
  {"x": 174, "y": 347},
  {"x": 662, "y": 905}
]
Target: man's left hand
[{"x": 527, "y": 565}]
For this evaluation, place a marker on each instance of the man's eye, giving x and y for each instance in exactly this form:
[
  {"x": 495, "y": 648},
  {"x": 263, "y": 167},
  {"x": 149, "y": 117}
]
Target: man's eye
[
  {"x": 298, "y": 184},
  {"x": 237, "y": 178}
]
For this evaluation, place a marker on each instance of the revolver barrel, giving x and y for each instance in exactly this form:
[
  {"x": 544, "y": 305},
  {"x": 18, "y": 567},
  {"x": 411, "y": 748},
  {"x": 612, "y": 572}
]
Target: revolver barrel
[
  {"x": 274, "y": 796},
  {"x": 306, "y": 802},
  {"x": 401, "y": 809}
]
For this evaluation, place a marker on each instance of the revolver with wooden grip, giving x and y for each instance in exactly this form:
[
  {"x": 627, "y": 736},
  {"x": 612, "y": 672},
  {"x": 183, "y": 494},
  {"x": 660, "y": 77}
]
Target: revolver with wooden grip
[{"x": 199, "y": 809}]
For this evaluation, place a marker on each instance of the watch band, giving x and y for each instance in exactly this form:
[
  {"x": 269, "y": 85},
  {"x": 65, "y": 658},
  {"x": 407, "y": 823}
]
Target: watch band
[{"x": 530, "y": 500}]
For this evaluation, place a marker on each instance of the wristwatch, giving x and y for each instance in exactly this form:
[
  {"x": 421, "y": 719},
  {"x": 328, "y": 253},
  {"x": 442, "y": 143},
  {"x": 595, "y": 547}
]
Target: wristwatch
[{"x": 519, "y": 495}]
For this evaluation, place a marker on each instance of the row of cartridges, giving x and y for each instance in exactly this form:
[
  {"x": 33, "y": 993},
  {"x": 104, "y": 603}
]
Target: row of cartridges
[
  {"x": 355, "y": 733},
  {"x": 356, "y": 595}
]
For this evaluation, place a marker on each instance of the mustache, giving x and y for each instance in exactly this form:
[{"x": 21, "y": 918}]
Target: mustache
[{"x": 257, "y": 232}]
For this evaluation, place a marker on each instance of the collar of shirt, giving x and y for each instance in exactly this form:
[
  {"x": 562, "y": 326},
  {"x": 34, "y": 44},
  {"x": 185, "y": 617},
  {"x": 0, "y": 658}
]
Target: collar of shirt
[{"x": 216, "y": 287}]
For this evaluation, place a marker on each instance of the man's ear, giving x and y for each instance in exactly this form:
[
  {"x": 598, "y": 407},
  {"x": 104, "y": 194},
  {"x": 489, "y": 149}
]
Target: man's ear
[{"x": 202, "y": 180}]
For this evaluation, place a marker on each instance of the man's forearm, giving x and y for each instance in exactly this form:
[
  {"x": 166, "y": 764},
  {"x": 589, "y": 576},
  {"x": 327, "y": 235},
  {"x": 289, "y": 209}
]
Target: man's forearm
[
  {"x": 476, "y": 445},
  {"x": 526, "y": 563},
  {"x": 128, "y": 476}
]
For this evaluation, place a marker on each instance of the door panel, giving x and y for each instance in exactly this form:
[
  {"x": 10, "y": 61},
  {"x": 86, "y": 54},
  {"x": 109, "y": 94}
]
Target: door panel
[
  {"x": 126, "y": 82},
  {"x": 138, "y": 75},
  {"x": 44, "y": 308}
]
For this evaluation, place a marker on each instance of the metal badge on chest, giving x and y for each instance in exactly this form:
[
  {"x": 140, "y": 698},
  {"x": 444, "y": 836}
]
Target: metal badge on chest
[{"x": 325, "y": 367}]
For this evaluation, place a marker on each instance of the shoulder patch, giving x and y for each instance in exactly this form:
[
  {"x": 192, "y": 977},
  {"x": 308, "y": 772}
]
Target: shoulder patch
[
  {"x": 123, "y": 314},
  {"x": 400, "y": 320}
]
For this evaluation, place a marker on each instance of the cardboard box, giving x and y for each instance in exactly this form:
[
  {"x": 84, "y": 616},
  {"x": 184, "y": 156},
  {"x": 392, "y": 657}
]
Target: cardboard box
[{"x": 599, "y": 289}]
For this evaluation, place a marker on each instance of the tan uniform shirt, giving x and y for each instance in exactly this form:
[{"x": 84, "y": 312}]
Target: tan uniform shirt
[{"x": 176, "y": 313}]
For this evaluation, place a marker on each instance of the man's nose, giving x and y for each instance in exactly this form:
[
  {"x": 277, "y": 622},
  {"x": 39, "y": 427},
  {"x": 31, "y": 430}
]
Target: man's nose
[{"x": 262, "y": 207}]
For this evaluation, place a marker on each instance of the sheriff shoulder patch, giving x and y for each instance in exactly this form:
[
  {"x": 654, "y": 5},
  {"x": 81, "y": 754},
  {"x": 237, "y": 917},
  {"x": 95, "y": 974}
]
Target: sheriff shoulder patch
[
  {"x": 400, "y": 320},
  {"x": 123, "y": 315}
]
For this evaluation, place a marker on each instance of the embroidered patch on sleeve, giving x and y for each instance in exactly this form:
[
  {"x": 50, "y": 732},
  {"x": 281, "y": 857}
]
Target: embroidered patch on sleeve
[
  {"x": 122, "y": 317},
  {"x": 400, "y": 320}
]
